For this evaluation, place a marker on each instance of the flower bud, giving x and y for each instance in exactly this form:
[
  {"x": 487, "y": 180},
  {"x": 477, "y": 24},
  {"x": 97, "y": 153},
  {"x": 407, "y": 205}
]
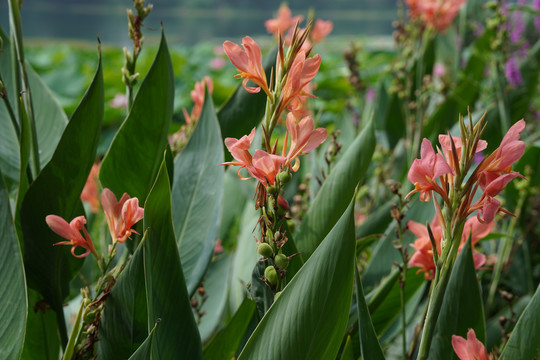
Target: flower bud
[
  {"x": 276, "y": 295},
  {"x": 282, "y": 261},
  {"x": 265, "y": 250},
  {"x": 271, "y": 275},
  {"x": 284, "y": 177}
]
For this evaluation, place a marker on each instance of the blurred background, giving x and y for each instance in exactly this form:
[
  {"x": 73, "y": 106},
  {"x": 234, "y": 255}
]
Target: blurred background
[{"x": 192, "y": 21}]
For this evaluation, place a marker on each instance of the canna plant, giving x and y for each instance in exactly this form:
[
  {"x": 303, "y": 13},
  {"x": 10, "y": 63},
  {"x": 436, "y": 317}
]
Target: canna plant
[{"x": 259, "y": 229}]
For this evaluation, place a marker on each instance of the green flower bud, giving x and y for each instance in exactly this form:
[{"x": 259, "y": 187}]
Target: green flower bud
[
  {"x": 282, "y": 261},
  {"x": 271, "y": 275},
  {"x": 284, "y": 177},
  {"x": 265, "y": 250},
  {"x": 276, "y": 295}
]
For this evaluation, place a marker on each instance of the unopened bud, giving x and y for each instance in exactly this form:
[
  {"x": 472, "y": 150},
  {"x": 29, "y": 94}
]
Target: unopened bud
[
  {"x": 284, "y": 177},
  {"x": 282, "y": 261},
  {"x": 291, "y": 225},
  {"x": 277, "y": 236},
  {"x": 265, "y": 250},
  {"x": 271, "y": 275},
  {"x": 276, "y": 295}
]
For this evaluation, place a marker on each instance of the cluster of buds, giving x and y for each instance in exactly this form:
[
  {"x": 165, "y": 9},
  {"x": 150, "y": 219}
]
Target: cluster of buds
[
  {"x": 135, "y": 23},
  {"x": 284, "y": 23},
  {"x": 445, "y": 173},
  {"x": 287, "y": 90}
]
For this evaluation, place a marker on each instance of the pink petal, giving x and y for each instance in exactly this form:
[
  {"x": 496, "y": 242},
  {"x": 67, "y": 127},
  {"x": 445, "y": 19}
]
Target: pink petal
[
  {"x": 237, "y": 56},
  {"x": 62, "y": 228}
]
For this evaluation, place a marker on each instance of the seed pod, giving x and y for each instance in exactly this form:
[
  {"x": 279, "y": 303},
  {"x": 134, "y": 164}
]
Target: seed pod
[
  {"x": 265, "y": 250},
  {"x": 282, "y": 261},
  {"x": 291, "y": 225},
  {"x": 271, "y": 275},
  {"x": 284, "y": 177}
]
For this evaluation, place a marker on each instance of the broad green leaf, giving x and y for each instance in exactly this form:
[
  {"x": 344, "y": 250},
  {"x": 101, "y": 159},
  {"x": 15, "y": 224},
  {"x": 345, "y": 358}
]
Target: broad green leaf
[
  {"x": 9, "y": 145},
  {"x": 245, "y": 256},
  {"x": 334, "y": 195},
  {"x": 134, "y": 157},
  {"x": 197, "y": 195},
  {"x": 462, "y": 308},
  {"x": 348, "y": 353},
  {"x": 56, "y": 190},
  {"x": 369, "y": 344},
  {"x": 235, "y": 195},
  {"x": 243, "y": 111},
  {"x": 41, "y": 341},
  {"x": 216, "y": 289},
  {"x": 124, "y": 322},
  {"x": 377, "y": 221},
  {"x": 13, "y": 300},
  {"x": 309, "y": 318},
  {"x": 524, "y": 343},
  {"x": 144, "y": 352},
  {"x": 225, "y": 344},
  {"x": 177, "y": 336}
]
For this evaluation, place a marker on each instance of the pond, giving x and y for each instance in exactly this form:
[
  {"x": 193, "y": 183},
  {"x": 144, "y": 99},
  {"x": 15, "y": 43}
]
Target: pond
[{"x": 189, "y": 22}]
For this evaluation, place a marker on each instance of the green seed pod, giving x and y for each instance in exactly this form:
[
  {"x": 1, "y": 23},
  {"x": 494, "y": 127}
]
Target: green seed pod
[
  {"x": 271, "y": 275},
  {"x": 284, "y": 177},
  {"x": 265, "y": 250},
  {"x": 271, "y": 189},
  {"x": 291, "y": 225},
  {"x": 282, "y": 261}
]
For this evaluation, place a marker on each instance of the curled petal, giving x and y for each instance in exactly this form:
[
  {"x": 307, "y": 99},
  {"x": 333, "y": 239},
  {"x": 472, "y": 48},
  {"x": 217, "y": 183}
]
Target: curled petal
[
  {"x": 470, "y": 349},
  {"x": 237, "y": 56}
]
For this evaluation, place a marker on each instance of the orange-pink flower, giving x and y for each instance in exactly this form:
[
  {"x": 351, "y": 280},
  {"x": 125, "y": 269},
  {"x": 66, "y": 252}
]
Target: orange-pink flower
[
  {"x": 197, "y": 95},
  {"x": 90, "y": 193},
  {"x": 436, "y": 13},
  {"x": 265, "y": 167},
  {"x": 239, "y": 149},
  {"x": 72, "y": 232},
  {"x": 283, "y": 22},
  {"x": 121, "y": 215},
  {"x": 321, "y": 29},
  {"x": 470, "y": 349},
  {"x": 304, "y": 138},
  {"x": 249, "y": 62},
  {"x": 301, "y": 73},
  {"x": 424, "y": 172},
  {"x": 423, "y": 255},
  {"x": 446, "y": 147}
]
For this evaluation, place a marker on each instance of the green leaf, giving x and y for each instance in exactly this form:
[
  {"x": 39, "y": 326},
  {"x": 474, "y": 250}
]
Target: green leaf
[
  {"x": 177, "y": 336},
  {"x": 56, "y": 190},
  {"x": 225, "y": 344},
  {"x": 124, "y": 322},
  {"x": 13, "y": 301},
  {"x": 369, "y": 344},
  {"x": 348, "y": 353},
  {"x": 41, "y": 341},
  {"x": 134, "y": 157},
  {"x": 216, "y": 288},
  {"x": 245, "y": 256},
  {"x": 243, "y": 111},
  {"x": 335, "y": 193},
  {"x": 309, "y": 318},
  {"x": 462, "y": 308},
  {"x": 144, "y": 352},
  {"x": 197, "y": 196},
  {"x": 524, "y": 343}
]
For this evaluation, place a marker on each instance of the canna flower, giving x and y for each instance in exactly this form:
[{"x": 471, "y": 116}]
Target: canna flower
[
  {"x": 436, "y": 13},
  {"x": 121, "y": 215},
  {"x": 283, "y": 22},
  {"x": 304, "y": 138},
  {"x": 249, "y": 62},
  {"x": 424, "y": 172},
  {"x": 321, "y": 29},
  {"x": 423, "y": 255},
  {"x": 446, "y": 146},
  {"x": 239, "y": 149},
  {"x": 265, "y": 167},
  {"x": 197, "y": 95},
  {"x": 90, "y": 192},
  {"x": 72, "y": 232},
  {"x": 470, "y": 349},
  {"x": 301, "y": 73}
]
